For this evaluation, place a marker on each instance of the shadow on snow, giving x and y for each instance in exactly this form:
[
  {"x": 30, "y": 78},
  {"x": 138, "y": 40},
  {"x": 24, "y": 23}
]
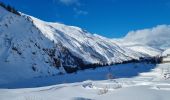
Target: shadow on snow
[{"x": 103, "y": 73}]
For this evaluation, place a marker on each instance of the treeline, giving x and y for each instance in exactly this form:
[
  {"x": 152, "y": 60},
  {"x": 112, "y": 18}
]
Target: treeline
[
  {"x": 9, "y": 8},
  {"x": 149, "y": 60}
]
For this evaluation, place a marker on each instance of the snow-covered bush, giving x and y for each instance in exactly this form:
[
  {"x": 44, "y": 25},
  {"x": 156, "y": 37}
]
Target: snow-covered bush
[
  {"x": 103, "y": 90},
  {"x": 166, "y": 73}
]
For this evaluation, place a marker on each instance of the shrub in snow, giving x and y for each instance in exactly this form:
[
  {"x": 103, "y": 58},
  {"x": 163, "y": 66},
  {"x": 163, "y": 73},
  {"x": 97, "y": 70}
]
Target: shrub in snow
[
  {"x": 110, "y": 76},
  {"x": 166, "y": 73},
  {"x": 34, "y": 67},
  {"x": 117, "y": 86},
  {"x": 103, "y": 90},
  {"x": 88, "y": 85},
  {"x": 17, "y": 50},
  {"x": 82, "y": 98}
]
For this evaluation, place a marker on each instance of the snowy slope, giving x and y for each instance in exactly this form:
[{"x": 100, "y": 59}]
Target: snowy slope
[
  {"x": 21, "y": 49},
  {"x": 166, "y": 55},
  {"x": 166, "y": 52},
  {"x": 140, "y": 48},
  {"x": 151, "y": 41},
  {"x": 32, "y": 48},
  {"x": 83, "y": 44}
]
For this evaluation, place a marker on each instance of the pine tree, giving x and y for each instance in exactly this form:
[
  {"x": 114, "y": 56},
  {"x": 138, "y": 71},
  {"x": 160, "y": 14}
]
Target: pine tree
[{"x": 9, "y": 8}]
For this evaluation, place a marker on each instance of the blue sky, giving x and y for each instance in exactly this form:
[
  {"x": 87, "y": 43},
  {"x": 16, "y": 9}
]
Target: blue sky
[{"x": 109, "y": 18}]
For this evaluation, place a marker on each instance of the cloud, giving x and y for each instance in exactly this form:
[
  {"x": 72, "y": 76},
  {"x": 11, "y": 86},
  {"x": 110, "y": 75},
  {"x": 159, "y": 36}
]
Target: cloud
[
  {"x": 156, "y": 36},
  {"x": 75, "y": 6},
  {"x": 70, "y": 2},
  {"x": 80, "y": 12}
]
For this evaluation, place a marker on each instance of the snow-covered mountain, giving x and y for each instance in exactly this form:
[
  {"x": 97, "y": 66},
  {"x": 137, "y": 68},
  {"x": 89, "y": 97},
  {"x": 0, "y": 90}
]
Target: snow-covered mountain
[
  {"x": 140, "y": 48},
  {"x": 30, "y": 47},
  {"x": 152, "y": 41}
]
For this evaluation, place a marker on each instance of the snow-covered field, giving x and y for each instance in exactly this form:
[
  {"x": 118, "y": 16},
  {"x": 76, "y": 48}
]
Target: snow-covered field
[{"x": 132, "y": 82}]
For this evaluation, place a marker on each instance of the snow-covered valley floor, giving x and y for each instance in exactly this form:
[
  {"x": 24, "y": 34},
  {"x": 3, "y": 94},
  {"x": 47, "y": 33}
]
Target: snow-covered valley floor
[{"x": 132, "y": 82}]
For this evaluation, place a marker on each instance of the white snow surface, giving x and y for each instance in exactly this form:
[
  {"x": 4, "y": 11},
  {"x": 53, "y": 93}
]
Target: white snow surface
[
  {"x": 140, "y": 48},
  {"x": 166, "y": 52},
  {"x": 151, "y": 84},
  {"x": 83, "y": 44},
  {"x": 166, "y": 55}
]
